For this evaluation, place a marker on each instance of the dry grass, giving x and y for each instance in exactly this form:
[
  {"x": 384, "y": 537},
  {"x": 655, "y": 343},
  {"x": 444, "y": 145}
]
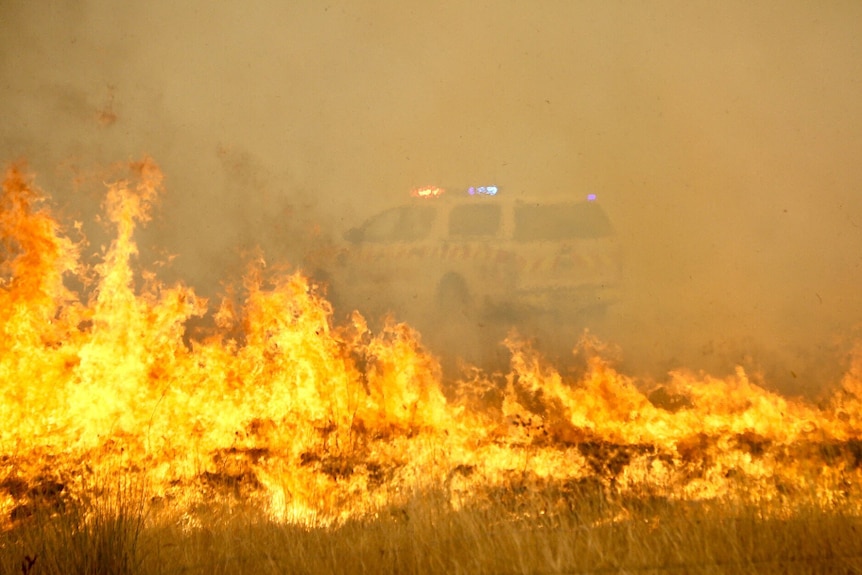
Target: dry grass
[
  {"x": 589, "y": 532},
  {"x": 99, "y": 534}
]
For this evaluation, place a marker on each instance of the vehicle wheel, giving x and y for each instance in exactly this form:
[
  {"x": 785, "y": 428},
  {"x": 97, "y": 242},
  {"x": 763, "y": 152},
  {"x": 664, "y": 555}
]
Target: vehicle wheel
[
  {"x": 460, "y": 333},
  {"x": 453, "y": 297}
]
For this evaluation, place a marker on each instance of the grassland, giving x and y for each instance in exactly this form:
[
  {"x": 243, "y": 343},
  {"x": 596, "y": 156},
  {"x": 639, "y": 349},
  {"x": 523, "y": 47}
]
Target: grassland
[{"x": 580, "y": 528}]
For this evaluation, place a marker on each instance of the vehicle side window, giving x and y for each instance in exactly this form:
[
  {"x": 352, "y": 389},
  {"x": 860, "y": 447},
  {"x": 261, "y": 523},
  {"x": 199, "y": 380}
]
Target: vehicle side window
[
  {"x": 536, "y": 222},
  {"x": 473, "y": 220},
  {"x": 402, "y": 224}
]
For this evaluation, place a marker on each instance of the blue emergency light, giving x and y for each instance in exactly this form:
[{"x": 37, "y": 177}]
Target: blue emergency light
[{"x": 482, "y": 190}]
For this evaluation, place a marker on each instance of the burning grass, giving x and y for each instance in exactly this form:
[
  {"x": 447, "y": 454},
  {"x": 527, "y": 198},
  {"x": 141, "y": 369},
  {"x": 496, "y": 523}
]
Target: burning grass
[
  {"x": 278, "y": 441},
  {"x": 565, "y": 529}
]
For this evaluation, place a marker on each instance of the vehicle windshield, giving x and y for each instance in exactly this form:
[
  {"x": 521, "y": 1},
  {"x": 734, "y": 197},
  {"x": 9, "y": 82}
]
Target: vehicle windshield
[{"x": 401, "y": 224}]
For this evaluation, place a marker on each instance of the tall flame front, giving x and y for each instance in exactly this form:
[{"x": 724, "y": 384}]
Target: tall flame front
[{"x": 317, "y": 422}]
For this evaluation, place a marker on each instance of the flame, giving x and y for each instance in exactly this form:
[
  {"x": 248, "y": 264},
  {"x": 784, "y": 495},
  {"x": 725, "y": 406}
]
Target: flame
[{"x": 319, "y": 422}]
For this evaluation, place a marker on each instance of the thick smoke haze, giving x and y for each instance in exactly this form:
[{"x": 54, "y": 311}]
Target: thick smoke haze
[{"x": 723, "y": 140}]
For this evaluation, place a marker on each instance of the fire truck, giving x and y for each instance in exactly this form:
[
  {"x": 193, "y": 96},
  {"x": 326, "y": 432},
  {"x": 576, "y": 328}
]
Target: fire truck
[{"x": 478, "y": 257}]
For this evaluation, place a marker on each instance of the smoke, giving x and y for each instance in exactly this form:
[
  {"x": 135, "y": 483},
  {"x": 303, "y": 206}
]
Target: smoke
[{"x": 722, "y": 139}]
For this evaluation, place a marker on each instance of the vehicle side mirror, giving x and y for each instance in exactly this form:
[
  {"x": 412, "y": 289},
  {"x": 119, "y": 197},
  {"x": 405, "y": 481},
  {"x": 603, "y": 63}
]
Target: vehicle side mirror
[{"x": 354, "y": 235}]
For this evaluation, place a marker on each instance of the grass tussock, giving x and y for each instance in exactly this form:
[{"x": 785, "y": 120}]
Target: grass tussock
[
  {"x": 78, "y": 536},
  {"x": 118, "y": 531}
]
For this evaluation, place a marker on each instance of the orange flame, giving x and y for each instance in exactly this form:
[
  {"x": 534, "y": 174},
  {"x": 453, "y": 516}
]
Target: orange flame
[{"x": 321, "y": 422}]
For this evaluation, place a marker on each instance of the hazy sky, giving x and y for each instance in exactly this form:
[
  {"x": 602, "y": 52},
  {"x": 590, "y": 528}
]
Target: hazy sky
[{"x": 722, "y": 137}]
